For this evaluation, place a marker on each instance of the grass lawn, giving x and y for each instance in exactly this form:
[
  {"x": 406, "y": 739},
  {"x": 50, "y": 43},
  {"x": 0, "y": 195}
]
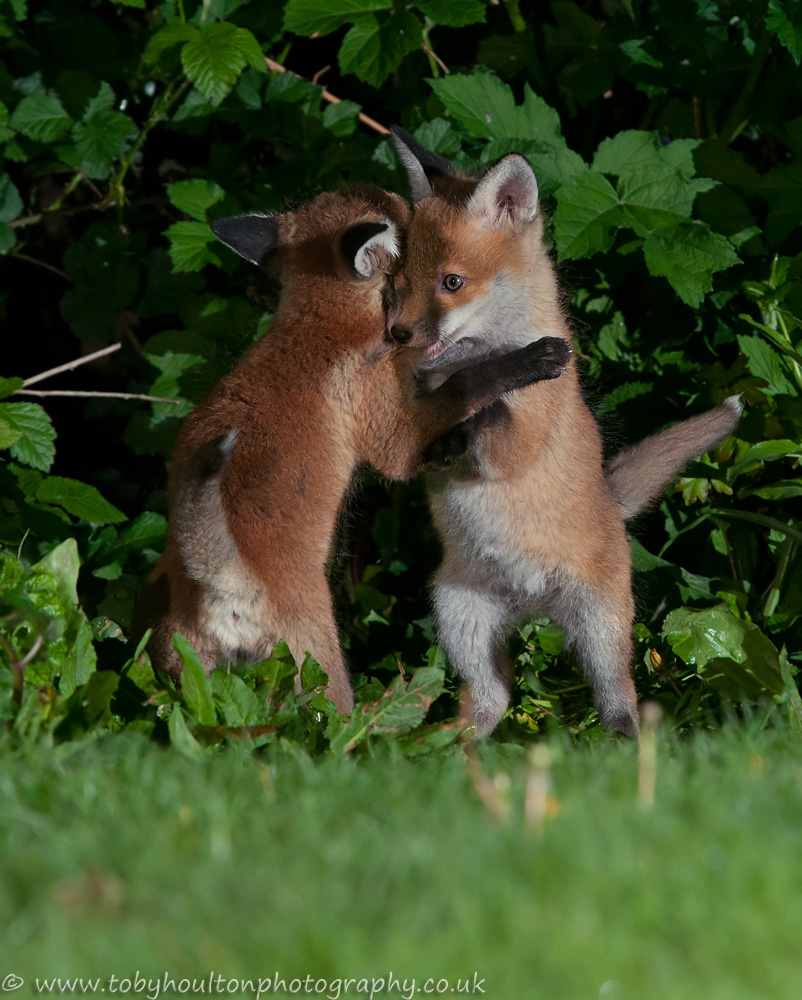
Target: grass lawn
[{"x": 120, "y": 857}]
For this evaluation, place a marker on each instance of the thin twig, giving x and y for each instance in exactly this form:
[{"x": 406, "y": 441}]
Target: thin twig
[
  {"x": 104, "y": 395},
  {"x": 40, "y": 263},
  {"x": 72, "y": 364},
  {"x": 328, "y": 96},
  {"x": 433, "y": 55}
]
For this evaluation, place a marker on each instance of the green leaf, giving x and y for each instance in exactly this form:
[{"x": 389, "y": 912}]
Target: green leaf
[
  {"x": 587, "y": 213},
  {"x": 195, "y": 197},
  {"x": 8, "y": 435},
  {"x": 621, "y": 393},
  {"x": 180, "y": 736},
  {"x": 239, "y": 706},
  {"x": 167, "y": 38},
  {"x": 102, "y": 135},
  {"x": 374, "y": 48},
  {"x": 777, "y": 491},
  {"x": 487, "y": 109},
  {"x": 81, "y": 660},
  {"x": 35, "y": 446},
  {"x": 190, "y": 246},
  {"x": 216, "y": 56},
  {"x": 195, "y": 683},
  {"x": 63, "y": 563},
  {"x": 106, "y": 274},
  {"x": 402, "y": 707},
  {"x": 688, "y": 254},
  {"x": 10, "y": 201},
  {"x": 307, "y": 17},
  {"x": 6, "y": 132},
  {"x": 9, "y": 385},
  {"x": 766, "y": 363},
  {"x": 341, "y": 119},
  {"x": 8, "y": 237},
  {"x": 79, "y": 499},
  {"x": 40, "y": 117},
  {"x": 785, "y": 19},
  {"x": 731, "y": 654},
  {"x": 451, "y": 14}
]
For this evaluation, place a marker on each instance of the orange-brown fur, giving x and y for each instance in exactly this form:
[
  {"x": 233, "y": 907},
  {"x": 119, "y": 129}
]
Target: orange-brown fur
[
  {"x": 261, "y": 466},
  {"x": 528, "y": 520}
]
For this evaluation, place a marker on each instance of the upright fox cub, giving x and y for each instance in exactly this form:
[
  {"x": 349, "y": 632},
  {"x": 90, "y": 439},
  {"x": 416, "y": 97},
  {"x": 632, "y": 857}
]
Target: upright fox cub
[
  {"x": 261, "y": 467},
  {"x": 530, "y": 523}
]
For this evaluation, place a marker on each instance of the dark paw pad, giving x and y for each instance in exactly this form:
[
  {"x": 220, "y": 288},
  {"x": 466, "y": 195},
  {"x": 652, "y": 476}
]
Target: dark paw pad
[
  {"x": 548, "y": 357},
  {"x": 446, "y": 450}
]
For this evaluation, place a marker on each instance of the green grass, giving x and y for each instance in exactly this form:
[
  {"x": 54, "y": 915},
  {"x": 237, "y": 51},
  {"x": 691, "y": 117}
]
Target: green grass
[{"x": 120, "y": 857}]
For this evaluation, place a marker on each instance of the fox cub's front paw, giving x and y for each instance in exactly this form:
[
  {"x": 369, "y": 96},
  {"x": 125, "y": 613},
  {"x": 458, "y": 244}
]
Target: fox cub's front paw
[{"x": 546, "y": 358}]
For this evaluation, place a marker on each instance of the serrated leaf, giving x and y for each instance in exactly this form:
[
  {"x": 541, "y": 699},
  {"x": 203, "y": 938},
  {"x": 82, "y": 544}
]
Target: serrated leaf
[
  {"x": 167, "y": 38},
  {"x": 190, "y": 246},
  {"x": 239, "y": 706},
  {"x": 307, "y": 17},
  {"x": 785, "y": 19},
  {"x": 766, "y": 363},
  {"x": 40, "y": 117},
  {"x": 451, "y": 14},
  {"x": 195, "y": 683},
  {"x": 216, "y": 56},
  {"x": 486, "y": 107},
  {"x": 403, "y": 706},
  {"x": 374, "y": 48},
  {"x": 100, "y": 139},
  {"x": 587, "y": 214},
  {"x": 8, "y": 434},
  {"x": 79, "y": 499},
  {"x": 195, "y": 197},
  {"x": 10, "y": 201},
  {"x": 688, "y": 254},
  {"x": 35, "y": 445}
]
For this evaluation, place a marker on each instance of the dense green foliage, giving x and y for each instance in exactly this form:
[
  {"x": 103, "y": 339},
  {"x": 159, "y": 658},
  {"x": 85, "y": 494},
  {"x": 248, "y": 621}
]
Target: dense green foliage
[{"x": 666, "y": 139}]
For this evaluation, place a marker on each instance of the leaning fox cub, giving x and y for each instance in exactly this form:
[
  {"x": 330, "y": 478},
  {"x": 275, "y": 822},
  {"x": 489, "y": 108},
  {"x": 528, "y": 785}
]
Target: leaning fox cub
[
  {"x": 530, "y": 523},
  {"x": 261, "y": 467}
]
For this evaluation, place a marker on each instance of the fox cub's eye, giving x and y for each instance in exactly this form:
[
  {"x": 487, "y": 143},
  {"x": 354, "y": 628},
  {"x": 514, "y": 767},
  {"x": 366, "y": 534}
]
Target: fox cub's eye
[{"x": 453, "y": 282}]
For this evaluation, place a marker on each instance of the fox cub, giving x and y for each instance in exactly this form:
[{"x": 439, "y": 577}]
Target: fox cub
[
  {"x": 531, "y": 523},
  {"x": 260, "y": 468}
]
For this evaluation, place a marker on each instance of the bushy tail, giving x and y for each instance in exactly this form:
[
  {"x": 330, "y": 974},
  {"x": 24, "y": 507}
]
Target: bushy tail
[{"x": 638, "y": 474}]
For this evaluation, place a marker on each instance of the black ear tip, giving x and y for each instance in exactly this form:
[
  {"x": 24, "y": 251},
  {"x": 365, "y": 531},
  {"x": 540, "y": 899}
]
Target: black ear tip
[
  {"x": 402, "y": 134},
  {"x": 251, "y": 236}
]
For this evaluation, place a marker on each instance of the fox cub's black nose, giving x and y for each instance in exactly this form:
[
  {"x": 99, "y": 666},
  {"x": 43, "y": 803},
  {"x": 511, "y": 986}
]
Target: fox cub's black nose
[{"x": 401, "y": 334}]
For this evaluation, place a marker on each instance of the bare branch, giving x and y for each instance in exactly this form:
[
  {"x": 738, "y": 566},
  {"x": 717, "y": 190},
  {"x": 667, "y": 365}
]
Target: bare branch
[
  {"x": 72, "y": 364},
  {"x": 328, "y": 96},
  {"x": 430, "y": 52},
  {"x": 104, "y": 395}
]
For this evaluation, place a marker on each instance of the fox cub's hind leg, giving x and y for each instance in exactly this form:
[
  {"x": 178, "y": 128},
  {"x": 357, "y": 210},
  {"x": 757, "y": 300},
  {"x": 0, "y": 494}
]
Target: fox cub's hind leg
[
  {"x": 598, "y": 625},
  {"x": 472, "y": 624}
]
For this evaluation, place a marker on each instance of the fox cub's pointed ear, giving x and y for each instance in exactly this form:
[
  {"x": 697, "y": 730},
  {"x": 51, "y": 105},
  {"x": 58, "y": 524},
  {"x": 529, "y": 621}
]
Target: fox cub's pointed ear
[
  {"x": 422, "y": 165},
  {"x": 508, "y": 193},
  {"x": 371, "y": 247},
  {"x": 251, "y": 236}
]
